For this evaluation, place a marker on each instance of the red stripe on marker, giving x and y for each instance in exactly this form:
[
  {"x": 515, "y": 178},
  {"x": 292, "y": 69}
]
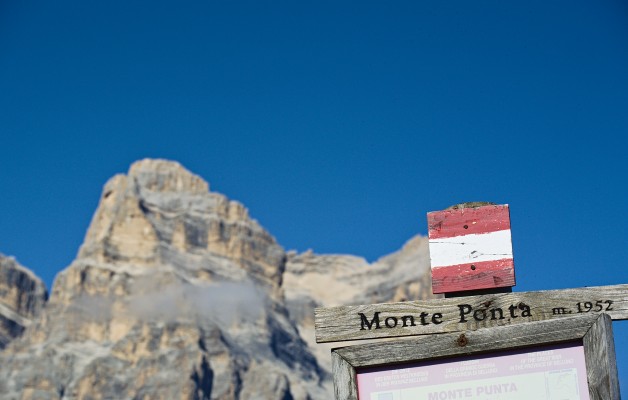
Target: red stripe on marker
[
  {"x": 487, "y": 274},
  {"x": 465, "y": 221}
]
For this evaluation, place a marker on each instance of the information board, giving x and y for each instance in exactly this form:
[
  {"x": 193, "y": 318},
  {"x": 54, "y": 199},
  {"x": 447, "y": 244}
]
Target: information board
[
  {"x": 555, "y": 372},
  {"x": 568, "y": 359}
]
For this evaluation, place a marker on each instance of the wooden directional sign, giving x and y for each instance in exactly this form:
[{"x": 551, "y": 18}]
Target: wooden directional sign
[
  {"x": 470, "y": 248},
  {"x": 425, "y": 317}
]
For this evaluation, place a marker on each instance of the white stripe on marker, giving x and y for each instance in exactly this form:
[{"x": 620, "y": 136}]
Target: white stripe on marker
[{"x": 469, "y": 248}]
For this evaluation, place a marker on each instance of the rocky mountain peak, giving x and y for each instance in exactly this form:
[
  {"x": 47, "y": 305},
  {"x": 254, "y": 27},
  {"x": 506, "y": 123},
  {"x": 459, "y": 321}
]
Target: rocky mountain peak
[
  {"x": 177, "y": 293},
  {"x": 159, "y": 212},
  {"x": 166, "y": 176}
]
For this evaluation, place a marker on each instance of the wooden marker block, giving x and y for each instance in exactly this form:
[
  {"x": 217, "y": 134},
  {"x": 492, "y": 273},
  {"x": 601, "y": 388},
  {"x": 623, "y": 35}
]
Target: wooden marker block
[{"x": 470, "y": 248}]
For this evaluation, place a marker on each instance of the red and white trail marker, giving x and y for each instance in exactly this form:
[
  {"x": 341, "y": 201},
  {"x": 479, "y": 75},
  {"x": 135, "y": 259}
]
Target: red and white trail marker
[{"x": 471, "y": 248}]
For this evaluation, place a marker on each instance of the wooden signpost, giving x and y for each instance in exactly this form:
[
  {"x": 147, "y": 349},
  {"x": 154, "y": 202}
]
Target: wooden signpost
[{"x": 539, "y": 339}]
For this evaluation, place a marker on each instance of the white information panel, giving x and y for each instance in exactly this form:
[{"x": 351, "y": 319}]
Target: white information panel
[{"x": 555, "y": 372}]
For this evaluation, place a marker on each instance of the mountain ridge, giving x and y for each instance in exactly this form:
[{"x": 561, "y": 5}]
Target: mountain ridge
[{"x": 172, "y": 274}]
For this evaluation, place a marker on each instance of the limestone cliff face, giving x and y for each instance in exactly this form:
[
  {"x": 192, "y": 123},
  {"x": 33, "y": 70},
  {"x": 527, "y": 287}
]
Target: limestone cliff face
[
  {"x": 177, "y": 293},
  {"x": 313, "y": 280},
  {"x": 161, "y": 211},
  {"x": 22, "y": 297}
]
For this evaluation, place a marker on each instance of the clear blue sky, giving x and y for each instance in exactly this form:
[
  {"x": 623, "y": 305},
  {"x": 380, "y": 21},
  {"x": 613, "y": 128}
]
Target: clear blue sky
[{"x": 339, "y": 125}]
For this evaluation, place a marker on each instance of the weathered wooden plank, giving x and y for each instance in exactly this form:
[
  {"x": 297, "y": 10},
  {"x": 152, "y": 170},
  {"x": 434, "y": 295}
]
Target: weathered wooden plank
[
  {"x": 457, "y": 344},
  {"x": 470, "y": 248},
  {"x": 463, "y": 220},
  {"x": 473, "y": 276},
  {"x": 469, "y": 313},
  {"x": 345, "y": 385},
  {"x": 599, "y": 349},
  {"x": 593, "y": 331}
]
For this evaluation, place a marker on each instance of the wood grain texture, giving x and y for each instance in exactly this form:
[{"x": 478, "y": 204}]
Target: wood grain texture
[
  {"x": 599, "y": 350},
  {"x": 452, "y": 222},
  {"x": 470, "y": 248},
  {"x": 345, "y": 383},
  {"x": 473, "y": 276},
  {"x": 336, "y": 324},
  {"x": 448, "y": 345},
  {"x": 593, "y": 331}
]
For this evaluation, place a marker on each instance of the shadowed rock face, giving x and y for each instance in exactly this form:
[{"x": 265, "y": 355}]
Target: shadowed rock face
[
  {"x": 22, "y": 297},
  {"x": 177, "y": 293}
]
